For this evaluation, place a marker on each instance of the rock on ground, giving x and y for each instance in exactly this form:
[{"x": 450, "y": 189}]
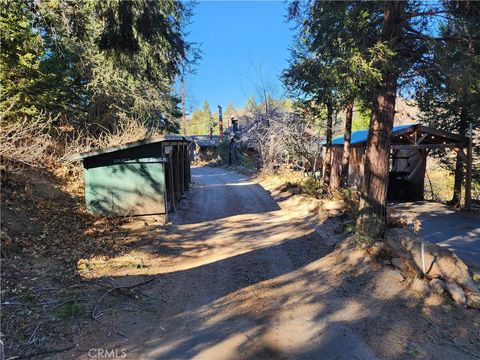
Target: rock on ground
[
  {"x": 456, "y": 292},
  {"x": 473, "y": 300},
  {"x": 439, "y": 261},
  {"x": 420, "y": 286},
  {"x": 438, "y": 286},
  {"x": 398, "y": 263}
]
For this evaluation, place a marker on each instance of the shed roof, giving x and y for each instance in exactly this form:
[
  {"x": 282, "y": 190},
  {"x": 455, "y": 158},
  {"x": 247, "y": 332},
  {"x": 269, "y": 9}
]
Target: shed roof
[
  {"x": 205, "y": 141},
  {"x": 411, "y": 136},
  {"x": 110, "y": 149}
]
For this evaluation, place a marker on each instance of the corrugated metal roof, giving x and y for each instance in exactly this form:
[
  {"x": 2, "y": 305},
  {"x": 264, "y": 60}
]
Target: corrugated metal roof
[
  {"x": 360, "y": 136},
  {"x": 205, "y": 141},
  {"x": 129, "y": 145}
]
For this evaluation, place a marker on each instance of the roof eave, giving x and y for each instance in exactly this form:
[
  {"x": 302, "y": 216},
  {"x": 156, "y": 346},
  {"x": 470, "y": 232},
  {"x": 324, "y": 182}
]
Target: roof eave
[{"x": 110, "y": 149}]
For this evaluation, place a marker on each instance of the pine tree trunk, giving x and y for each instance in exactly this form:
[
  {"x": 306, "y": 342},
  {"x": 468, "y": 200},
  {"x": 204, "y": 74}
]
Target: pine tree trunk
[
  {"x": 457, "y": 187},
  {"x": 372, "y": 222},
  {"x": 327, "y": 161},
  {"x": 346, "y": 144}
]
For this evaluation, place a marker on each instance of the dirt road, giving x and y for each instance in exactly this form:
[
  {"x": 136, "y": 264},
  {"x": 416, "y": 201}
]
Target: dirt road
[{"x": 238, "y": 275}]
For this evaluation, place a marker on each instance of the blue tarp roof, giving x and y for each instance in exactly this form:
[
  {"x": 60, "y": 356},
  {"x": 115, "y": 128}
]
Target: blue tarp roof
[{"x": 360, "y": 136}]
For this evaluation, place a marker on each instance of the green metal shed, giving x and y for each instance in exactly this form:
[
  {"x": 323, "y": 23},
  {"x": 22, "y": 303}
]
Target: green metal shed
[{"x": 140, "y": 178}]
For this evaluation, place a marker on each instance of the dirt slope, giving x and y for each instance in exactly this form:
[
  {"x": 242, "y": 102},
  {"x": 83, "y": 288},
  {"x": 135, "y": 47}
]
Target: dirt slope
[{"x": 239, "y": 275}]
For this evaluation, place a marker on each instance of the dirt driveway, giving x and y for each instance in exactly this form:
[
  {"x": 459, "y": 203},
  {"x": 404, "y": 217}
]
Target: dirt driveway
[{"x": 241, "y": 275}]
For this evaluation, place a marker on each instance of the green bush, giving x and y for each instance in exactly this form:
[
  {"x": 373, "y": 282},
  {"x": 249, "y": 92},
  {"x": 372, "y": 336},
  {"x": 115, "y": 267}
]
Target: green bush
[
  {"x": 71, "y": 309},
  {"x": 222, "y": 151},
  {"x": 310, "y": 187},
  {"x": 242, "y": 159}
]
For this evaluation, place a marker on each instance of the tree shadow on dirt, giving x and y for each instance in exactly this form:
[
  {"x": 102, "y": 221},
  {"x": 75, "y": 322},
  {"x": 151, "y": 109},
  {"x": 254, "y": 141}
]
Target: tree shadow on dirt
[
  {"x": 231, "y": 305},
  {"x": 251, "y": 306}
]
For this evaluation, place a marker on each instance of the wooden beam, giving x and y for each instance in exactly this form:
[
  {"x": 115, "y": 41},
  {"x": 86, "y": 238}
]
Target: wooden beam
[
  {"x": 172, "y": 186},
  {"x": 404, "y": 131},
  {"x": 427, "y": 146},
  {"x": 461, "y": 153},
  {"x": 187, "y": 167},
  {"x": 176, "y": 173},
  {"x": 181, "y": 177},
  {"x": 190, "y": 163},
  {"x": 441, "y": 133},
  {"x": 421, "y": 138},
  {"x": 468, "y": 178}
]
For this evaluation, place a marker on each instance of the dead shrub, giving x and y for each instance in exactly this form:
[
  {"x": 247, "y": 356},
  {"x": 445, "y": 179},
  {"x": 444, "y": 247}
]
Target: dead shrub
[
  {"x": 36, "y": 143},
  {"x": 395, "y": 218},
  {"x": 26, "y": 143},
  {"x": 125, "y": 131},
  {"x": 350, "y": 196}
]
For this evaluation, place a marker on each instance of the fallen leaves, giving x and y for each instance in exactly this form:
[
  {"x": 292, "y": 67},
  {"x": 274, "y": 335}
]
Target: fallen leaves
[{"x": 45, "y": 232}]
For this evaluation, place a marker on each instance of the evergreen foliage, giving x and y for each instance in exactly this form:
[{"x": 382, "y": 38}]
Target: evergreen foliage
[
  {"x": 94, "y": 62},
  {"x": 449, "y": 95},
  {"x": 201, "y": 121}
]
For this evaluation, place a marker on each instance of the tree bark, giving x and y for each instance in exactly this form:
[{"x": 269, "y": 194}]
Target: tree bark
[
  {"x": 327, "y": 161},
  {"x": 457, "y": 187},
  {"x": 372, "y": 221},
  {"x": 346, "y": 144}
]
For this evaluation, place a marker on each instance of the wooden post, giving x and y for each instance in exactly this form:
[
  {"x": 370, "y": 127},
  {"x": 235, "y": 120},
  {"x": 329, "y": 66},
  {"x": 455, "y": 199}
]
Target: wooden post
[
  {"x": 186, "y": 166},
  {"x": 220, "y": 123},
  {"x": 189, "y": 170},
  {"x": 184, "y": 115},
  {"x": 172, "y": 186},
  {"x": 468, "y": 179},
  {"x": 177, "y": 174},
  {"x": 181, "y": 154}
]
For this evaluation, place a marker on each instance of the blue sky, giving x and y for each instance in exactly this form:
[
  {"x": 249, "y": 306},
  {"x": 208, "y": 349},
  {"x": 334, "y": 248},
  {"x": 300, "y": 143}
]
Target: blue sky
[{"x": 236, "y": 38}]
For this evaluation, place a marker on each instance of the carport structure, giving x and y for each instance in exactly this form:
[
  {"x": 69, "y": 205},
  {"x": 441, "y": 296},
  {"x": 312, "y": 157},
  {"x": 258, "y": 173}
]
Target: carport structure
[{"x": 410, "y": 146}]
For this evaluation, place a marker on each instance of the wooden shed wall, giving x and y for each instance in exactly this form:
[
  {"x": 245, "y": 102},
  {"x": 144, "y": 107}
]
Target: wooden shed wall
[
  {"x": 356, "y": 170},
  {"x": 355, "y": 173},
  {"x": 336, "y": 170}
]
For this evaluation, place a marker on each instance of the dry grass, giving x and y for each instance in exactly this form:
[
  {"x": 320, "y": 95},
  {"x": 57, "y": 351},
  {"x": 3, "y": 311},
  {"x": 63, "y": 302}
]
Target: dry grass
[
  {"x": 30, "y": 143},
  {"x": 399, "y": 218},
  {"x": 25, "y": 144},
  {"x": 438, "y": 183}
]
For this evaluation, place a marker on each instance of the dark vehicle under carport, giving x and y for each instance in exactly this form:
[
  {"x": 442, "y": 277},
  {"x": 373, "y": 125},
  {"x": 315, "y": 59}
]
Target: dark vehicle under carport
[{"x": 140, "y": 178}]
